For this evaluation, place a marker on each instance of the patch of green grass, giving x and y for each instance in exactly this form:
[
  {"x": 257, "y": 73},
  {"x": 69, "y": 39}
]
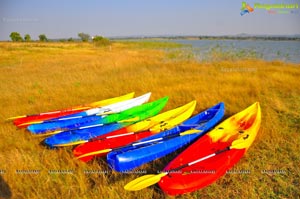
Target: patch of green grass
[
  {"x": 220, "y": 53},
  {"x": 151, "y": 44}
]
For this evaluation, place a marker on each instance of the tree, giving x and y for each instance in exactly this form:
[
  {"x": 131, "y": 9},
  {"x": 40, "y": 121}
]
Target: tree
[
  {"x": 15, "y": 36},
  {"x": 101, "y": 41},
  {"x": 27, "y": 37},
  {"x": 43, "y": 37},
  {"x": 84, "y": 37}
]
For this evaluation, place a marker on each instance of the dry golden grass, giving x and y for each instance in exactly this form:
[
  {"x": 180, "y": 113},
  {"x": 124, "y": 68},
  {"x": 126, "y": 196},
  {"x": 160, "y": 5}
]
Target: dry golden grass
[{"x": 37, "y": 77}]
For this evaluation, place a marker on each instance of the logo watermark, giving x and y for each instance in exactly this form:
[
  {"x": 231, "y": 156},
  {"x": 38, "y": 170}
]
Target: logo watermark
[
  {"x": 238, "y": 69},
  {"x": 238, "y": 172},
  {"x": 96, "y": 171},
  {"x": 276, "y": 8},
  {"x": 59, "y": 171},
  {"x": 246, "y": 8},
  {"x": 273, "y": 171},
  {"x": 19, "y": 20},
  {"x": 28, "y": 171}
]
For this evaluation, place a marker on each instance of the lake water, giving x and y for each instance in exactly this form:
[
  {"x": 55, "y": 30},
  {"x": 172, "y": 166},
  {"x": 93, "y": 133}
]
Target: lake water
[{"x": 288, "y": 51}]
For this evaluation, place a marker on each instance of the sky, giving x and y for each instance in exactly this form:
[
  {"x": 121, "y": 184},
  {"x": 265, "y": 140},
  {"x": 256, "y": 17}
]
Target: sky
[{"x": 113, "y": 18}]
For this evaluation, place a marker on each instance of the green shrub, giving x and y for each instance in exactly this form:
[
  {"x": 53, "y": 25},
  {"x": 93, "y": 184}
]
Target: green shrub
[{"x": 100, "y": 41}]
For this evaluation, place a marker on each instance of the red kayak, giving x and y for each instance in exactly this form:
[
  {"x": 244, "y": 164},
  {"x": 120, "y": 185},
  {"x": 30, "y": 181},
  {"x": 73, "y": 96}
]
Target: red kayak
[
  {"x": 49, "y": 115},
  {"x": 199, "y": 175},
  {"x": 108, "y": 141}
]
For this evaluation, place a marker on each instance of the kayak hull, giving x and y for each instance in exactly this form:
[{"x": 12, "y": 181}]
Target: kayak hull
[
  {"x": 66, "y": 125},
  {"x": 68, "y": 137},
  {"x": 109, "y": 144},
  {"x": 19, "y": 122}
]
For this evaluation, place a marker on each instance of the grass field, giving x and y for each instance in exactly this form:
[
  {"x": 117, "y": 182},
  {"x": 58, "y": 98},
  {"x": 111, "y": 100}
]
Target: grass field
[{"x": 38, "y": 77}]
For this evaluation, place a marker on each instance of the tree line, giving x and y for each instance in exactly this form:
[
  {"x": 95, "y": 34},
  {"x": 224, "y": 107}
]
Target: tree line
[
  {"x": 15, "y": 36},
  {"x": 84, "y": 37}
]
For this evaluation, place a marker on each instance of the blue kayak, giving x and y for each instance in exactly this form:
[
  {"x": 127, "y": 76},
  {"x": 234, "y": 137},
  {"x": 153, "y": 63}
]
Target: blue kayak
[
  {"x": 159, "y": 145},
  {"x": 74, "y": 136},
  {"x": 66, "y": 124}
]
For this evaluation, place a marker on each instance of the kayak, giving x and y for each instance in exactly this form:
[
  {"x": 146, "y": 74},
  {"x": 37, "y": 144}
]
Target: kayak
[
  {"x": 101, "y": 145},
  {"x": 159, "y": 145},
  {"x": 116, "y": 121},
  {"x": 209, "y": 158},
  {"x": 77, "y": 121},
  {"x": 18, "y": 120},
  {"x": 235, "y": 135}
]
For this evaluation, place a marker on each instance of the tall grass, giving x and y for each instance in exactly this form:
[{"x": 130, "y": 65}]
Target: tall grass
[{"x": 37, "y": 77}]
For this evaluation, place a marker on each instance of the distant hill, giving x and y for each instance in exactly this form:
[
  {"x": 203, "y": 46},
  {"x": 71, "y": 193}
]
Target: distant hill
[{"x": 241, "y": 36}]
